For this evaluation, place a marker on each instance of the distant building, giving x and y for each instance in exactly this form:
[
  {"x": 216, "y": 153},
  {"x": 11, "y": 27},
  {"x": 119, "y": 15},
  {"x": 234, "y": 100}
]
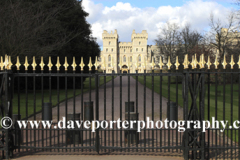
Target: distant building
[{"x": 135, "y": 51}]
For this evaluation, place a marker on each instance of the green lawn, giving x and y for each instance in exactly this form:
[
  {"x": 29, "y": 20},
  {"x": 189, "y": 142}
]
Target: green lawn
[
  {"x": 212, "y": 108},
  {"x": 62, "y": 97}
]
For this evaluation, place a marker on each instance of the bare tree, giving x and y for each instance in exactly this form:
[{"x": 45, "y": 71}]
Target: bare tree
[
  {"x": 224, "y": 38},
  {"x": 168, "y": 40}
]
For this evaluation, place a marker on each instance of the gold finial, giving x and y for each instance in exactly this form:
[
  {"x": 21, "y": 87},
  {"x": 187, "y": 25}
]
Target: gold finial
[
  {"x": 90, "y": 64},
  {"x": 209, "y": 62},
  {"x": 196, "y": 61},
  {"x": 202, "y": 61},
  {"x": 153, "y": 64},
  {"x": 34, "y": 63},
  {"x": 239, "y": 62},
  {"x": 177, "y": 63},
  {"x": 103, "y": 63},
  {"x": 9, "y": 63},
  {"x": 82, "y": 64},
  {"x": 216, "y": 62},
  {"x": 128, "y": 64},
  {"x": 96, "y": 63},
  {"x": 50, "y": 64},
  {"x": 66, "y": 64},
  {"x": 136, "y": 64},
  {"x": 6, "y": 61},
  {"x": 17, "y": 63},
  {"x": 145, "y": 63},
  {"x": 232, "y": 62},
  {"x": 169, "y": 63},
  {"x": 74, "y": 65},
  {"x": 186, "y": 62},
  {"x": 120, "y": 63},
  {"x": 224, "y": 62},
  {"x": 160, "y": 63},
  {"x": 42, "y": 63},
  {"x": 1, "y": 63},
  {"x": 26, "y": 63},
  {"x": 58, "y": 65},
  {"x": 192, "y": 64}
]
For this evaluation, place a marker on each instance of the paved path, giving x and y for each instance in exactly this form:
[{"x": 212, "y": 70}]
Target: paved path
[{"x": 116, "y": 102}]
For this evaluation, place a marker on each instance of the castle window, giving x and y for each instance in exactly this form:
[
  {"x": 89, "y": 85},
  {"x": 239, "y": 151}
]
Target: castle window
[
  {"x": 109, "y": 58},
  {"x": 109, "y": 65},
  {"x": 106, "y": 50},
  {"x": 112, "y": 50},
  {"x": 142, "y": 49},
  {"x": 99, "y": 59},
  {"x": 130, "y": 50},
  {"x": 139, "y": 58},
  {"x": 131, "y": 59},
  {"x": 139, "y": 43},
  {"x": 137, "y": 49},
  {"x": 124, "y": 50},
  {"x": 109, "y": 43},
  {"x": 124, "y": 58}
]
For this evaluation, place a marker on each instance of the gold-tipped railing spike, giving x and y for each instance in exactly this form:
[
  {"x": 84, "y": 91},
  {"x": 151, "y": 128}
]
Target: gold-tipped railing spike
[
  {"x": 1, "y": 63},
  {"x": 216, "y": 63},
  {"x": 17, "y": 63},
  {"x": 153, "y": 64},
  {"x": 169, "y": 64},
  {"x": 192, "y": 63},
  {"x": 6, "y": 61},
  {"x": 9, "y": 63},
  {"x": 186, "y": 62},
  {"x": 128, "y": 64},
  {"x": 177, "y": 64},
  {"x": 232, "y": 63},
  {"x": 120, "y": 63},
  {"x": 161, "y": 64},
  {"x": 74, "y": 65},
  {"x": 58, "y": 65},
  {"x": 202, "y": 62},
  {"x": 90, "y": 64},
  {"x": 42, "y": 63},
  {"x": 196, "y": 61},
  {"x": 50, "y": 64},
  {"x": 34, "y": 64},
  {"x": 239, "y": 62},
  {"x": 103, "y": 63},
  {"x": 82, "y": 64},
  {"x": 96, "y": 63},
  {"x": 224, "y": 62},
  {"x": 209, "y": 62},
  {"x": 145, "y": 64},
  {"x": 66, "y": 64},
  {"x": 136, "y": 64},
  {"x": 26, "y": 63},
  {"x": 113, "y": 64}
]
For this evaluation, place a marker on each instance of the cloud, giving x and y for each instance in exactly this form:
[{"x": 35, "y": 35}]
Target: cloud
[{"x": 124, "y": 17}]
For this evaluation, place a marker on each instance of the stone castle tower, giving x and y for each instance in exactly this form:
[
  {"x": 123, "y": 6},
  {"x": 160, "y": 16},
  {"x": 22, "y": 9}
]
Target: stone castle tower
[{"x": 135, "y": 52}]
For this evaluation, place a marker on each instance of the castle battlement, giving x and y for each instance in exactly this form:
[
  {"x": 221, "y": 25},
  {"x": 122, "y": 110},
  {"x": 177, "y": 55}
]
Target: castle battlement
[{"x": 110, "y": 35}]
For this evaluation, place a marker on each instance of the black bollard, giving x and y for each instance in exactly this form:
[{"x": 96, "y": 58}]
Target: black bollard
[
  {"x": 47, "y": 111},
  {"x": 131, "y": 105},
  {"x": 88, "y": 111},
  {"x": 73, "y": 136},
  {"x": 132, "y": 135},
  {"x": 172, "y": 112}
]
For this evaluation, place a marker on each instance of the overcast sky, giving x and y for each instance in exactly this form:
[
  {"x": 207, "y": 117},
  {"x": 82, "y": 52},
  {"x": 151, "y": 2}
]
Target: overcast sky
[{"x": 150, "y": 15}]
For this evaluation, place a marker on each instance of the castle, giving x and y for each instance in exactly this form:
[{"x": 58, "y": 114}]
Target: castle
[{"x": 129, "y": 54}]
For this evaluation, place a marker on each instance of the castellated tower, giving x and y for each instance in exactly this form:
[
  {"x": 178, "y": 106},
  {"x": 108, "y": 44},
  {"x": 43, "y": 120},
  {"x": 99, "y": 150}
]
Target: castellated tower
[
  {"x": 139, "y": 47},
  {"x": 110, "y": 50},
  {"x": 135, "y": 52}
]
